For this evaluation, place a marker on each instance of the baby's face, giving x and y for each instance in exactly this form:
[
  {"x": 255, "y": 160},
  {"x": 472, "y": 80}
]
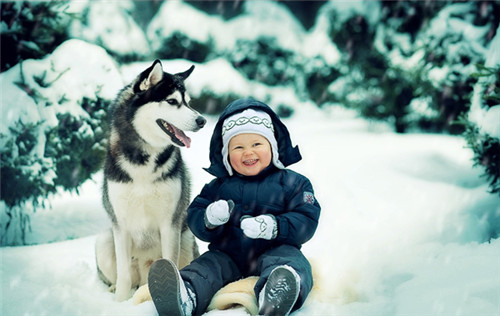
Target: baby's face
[{"x": 249, "y": 154}]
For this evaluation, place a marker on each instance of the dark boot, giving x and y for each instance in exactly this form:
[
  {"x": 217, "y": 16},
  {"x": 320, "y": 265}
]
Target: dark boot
[
  {"x": 280, "y": 292},
  {"x": 169, "y": 292}
]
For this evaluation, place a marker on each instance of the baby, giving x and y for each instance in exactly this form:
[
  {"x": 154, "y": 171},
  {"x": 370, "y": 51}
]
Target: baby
[{"x": 255, "y": 215}]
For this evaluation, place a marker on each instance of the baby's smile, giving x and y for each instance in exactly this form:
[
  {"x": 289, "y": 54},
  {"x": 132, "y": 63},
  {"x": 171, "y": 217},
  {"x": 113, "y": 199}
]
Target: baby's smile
[{"x": 250, "y": 162}]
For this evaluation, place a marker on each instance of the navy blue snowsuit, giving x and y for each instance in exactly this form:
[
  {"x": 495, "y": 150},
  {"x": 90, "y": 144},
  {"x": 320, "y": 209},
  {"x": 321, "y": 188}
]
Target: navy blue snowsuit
[{"x": 287, "y": 195}]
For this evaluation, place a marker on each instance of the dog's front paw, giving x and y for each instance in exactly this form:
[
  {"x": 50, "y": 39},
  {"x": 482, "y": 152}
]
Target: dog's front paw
[
  {"x": 123, "y": 289},
  {"x": 122, "y": 293},
  {"x": 121, "y": 296},
  {"x": 141, "y": 295}
]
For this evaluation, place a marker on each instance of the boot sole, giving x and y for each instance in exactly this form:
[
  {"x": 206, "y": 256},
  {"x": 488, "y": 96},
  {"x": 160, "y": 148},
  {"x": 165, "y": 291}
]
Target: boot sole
[
  {"x": 164, "y": 284},
  {"x": 280, "y": 293}
]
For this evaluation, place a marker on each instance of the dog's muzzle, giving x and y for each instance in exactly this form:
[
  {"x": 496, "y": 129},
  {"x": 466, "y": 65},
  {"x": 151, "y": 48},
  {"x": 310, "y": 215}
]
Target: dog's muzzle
[{"x": 200, "y": 121}]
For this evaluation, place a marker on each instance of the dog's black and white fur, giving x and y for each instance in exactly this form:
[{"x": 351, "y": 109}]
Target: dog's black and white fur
[{"x": 146, "y": 188}]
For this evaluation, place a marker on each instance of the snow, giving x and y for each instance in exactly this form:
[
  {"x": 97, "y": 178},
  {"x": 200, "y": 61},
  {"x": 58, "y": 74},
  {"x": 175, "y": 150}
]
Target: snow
[
  {"x": 491, "y": 122},
  {"x": 403, "y": 229},
  {"x": 109, "y": 23}
]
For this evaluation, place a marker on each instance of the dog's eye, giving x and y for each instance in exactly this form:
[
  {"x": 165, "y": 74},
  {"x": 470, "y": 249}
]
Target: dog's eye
[{"x": 172, "y": 101}]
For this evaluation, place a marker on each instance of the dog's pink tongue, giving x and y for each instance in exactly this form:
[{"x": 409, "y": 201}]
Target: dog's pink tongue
[{"x": 182, "y": 137}]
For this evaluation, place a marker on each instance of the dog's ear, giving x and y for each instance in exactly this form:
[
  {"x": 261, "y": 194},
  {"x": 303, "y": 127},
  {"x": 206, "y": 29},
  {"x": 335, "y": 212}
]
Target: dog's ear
[
  {"x": 156, "y": 74},
  {"x": 186, "y": 73},
  {"x": 152, "y": 75}
]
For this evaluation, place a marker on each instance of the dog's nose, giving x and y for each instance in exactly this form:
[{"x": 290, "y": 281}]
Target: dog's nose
[{"x": 201, "y": 121}]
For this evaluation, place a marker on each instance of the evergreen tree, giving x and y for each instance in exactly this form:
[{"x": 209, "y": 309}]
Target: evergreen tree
[
  {"x": 486, "y": 147},
  {"x": 31, "y": 29}
]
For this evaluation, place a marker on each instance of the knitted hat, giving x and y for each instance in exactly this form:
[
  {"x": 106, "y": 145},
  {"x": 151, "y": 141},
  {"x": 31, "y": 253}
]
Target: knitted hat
[{"x": 249, "y": 121}]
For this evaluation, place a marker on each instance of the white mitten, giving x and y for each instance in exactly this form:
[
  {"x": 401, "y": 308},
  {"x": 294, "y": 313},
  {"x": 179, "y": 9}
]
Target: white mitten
[
  {"x": 218, "y": 213},
  {"x": 262, "y": 226}
]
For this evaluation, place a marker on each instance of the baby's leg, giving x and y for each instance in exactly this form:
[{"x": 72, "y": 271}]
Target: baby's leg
[
  {"x": 207, "y": 274},
  {"x": 290, "y": 256}
]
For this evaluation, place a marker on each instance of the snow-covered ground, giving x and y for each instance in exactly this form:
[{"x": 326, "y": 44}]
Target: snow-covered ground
[{"x": 403, "y": 231}]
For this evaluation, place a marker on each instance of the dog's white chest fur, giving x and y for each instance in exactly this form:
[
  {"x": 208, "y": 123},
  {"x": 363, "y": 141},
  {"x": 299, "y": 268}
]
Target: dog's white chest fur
[{"x": 141, "y": 206}]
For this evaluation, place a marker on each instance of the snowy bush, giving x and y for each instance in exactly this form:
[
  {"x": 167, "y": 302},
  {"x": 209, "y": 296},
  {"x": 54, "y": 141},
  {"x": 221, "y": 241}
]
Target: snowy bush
[
  {"x": 246, "y": 36},
  {"x": 171, "y": 35},
  {"x": 73, "y": 151},
  {"x": 482, "y": 122},
  {"x": 486, "y": 154},
  {"x": 78, "y": 143},
  {"x": 54, "y": 127},
  {"x": 211, "y": 103},
  {"x": 412, "y": 65},
  {"x": 111, "y": 26},
  {"x": 263, "y": 60},
  {"x": 225, "y": 9},
  {"x": 483, "y": 134},
  {"x": 178, "y": 45},
  {"x": 24, "y": 175},
  {"x": 370, "y": 83},
  {"x": 31, "y": 29},
  {"x": 305, "y": 11}
]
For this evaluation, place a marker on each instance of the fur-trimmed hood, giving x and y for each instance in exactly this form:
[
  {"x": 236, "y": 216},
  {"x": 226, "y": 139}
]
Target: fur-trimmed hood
[{"x": 288, "y": 154}]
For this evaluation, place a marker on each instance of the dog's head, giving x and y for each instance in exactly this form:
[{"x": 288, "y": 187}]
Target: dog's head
[{"x": 162, "y": 111}]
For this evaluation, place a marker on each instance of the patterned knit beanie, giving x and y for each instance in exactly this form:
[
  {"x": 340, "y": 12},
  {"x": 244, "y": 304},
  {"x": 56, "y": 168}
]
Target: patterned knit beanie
[{"x": 249, "y": 121}]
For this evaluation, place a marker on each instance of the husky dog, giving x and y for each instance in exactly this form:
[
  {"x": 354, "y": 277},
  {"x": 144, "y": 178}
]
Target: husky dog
[{"x": 146, "y": 188}]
